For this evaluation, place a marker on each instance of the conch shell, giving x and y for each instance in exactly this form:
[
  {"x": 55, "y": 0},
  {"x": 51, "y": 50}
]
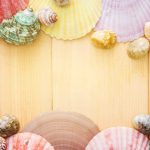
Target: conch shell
[
  {"x": 104, "y": 39},
  {"x": 138, "y": 48},
  {"x": 62, "y": 2},
  {"x": 47, "y": 16},
  {"x": 147, "y": 30}
]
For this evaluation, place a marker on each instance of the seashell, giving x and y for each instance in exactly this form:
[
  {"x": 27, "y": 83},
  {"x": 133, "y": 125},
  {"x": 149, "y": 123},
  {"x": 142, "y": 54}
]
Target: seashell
[
  {"x": 147, "y": 30},
  {"x": 8, "y": 8},
  {"x": 104, "y": 39},
  {"x": 119, "y": 138},
  {"x": 9, "y": 125},
  {"x": 23, "y": 28},
  {"x": 28, "y": 141},
  {"x": 3, "y": 145},
  {"x": 47, "y": 16},
  {"x": 124, "y": 17},
  {"x": 65, "y": 131},
  {"x": 138, "y": 48},
  {"x": 142, "y": 123},
  {"x": 62, "y": 2},
  {"x": 74, "y": 21}
]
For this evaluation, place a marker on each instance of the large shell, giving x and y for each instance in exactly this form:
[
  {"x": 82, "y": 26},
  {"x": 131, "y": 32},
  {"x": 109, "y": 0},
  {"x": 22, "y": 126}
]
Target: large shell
[
  {"x": 142, "y": 123},
  {"x": 65, "y": 131},
  {"x": 8, "y": 8},
  {"x": 23, "y": 28},
  {"x": 125, "y": 17},
  {"x": 74, "y": 20},
  {"x": 9, "y": 125},
  {"x": 119, "y": 138},
  {"x": 28, "y": 141}
]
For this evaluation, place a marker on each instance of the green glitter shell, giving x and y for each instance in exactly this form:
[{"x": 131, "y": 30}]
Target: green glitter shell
[{"x": 21, "y": 29}]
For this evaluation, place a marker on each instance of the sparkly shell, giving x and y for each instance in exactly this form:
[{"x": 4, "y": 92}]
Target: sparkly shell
[
  {"x": 147, "y": 30},
  {"x": 138, "y": 48},
  {"x": 47, "y": 16},
  {"x": 3, "y": 145},
  {"x": 21, "y": 29},
  {"x": 142, "y": 123},
  {"x": 62, "y": 2},
  {"x": 104, "y": 39},
  {"x": 8, "y": 8},
  {"x": 9, "y": 125},
  {"x": 119, "y": 138},
  {"x": 28, "y": 141}
]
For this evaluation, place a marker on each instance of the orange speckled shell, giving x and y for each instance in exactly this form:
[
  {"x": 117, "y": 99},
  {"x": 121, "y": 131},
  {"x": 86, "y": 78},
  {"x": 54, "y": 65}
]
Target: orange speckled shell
[{"x": 27, "y": 141}]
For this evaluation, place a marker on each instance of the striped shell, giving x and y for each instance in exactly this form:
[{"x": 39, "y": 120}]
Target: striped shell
[
  {"x": 75, "y": 20},
  {"x": 3, "y": 145},
  {"x": 8, "y": 8},
  {"x": 119, "y": 138},
  {"x": 138, "y": 48},
  {"x": 9, "y": 125},
  {"x": 65, "y": 131},
  {"x": 21, "y": 29},
  {"x": 62, "y": 2},
  {"x": 47, "y": 16},
  {"x": 28, "y": 141},
  {"x": 142, "y": 123}
]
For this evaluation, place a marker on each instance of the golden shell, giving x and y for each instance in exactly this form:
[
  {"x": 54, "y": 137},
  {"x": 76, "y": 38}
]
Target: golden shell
[
  {"x": 147, "y": 30},
  {"x": 104, "y": 39},
  {"x": 138, "y": 48}
]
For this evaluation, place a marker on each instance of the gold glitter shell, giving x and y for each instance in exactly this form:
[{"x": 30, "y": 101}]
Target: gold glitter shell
[{"x": 104, "y": 39}]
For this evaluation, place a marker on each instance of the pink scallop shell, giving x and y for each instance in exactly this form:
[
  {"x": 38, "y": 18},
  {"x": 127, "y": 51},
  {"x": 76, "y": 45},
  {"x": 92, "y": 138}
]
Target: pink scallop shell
[
  {"x": 27, "y": 141},
  {"x": 119, "y": 138},
  {"x": 124, "y": 17},
  {"x": 8, "y": 8}
]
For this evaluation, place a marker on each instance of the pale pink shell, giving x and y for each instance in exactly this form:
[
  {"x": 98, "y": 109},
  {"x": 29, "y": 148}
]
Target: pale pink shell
[
  {"x": 125, "y": 17},
  {"x": 8, "y": 8},
  {"x": 27, "y": 141},
  {"x": 47, "y": 16},
  {"x": 119, "y": 138}
]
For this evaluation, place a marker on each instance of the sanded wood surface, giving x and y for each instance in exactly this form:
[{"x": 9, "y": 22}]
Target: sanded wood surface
[{"x": 105, "y": 85}]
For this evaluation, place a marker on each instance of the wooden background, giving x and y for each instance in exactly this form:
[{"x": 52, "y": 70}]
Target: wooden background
[{"x": 49, "y": 74}]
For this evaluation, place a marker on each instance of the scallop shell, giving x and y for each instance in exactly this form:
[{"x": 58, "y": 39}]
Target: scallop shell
[
  {"x": 75, "y": 20},
  {"x": 3, "y": 145},
  {"x": 125, "y": 17},
  {"x": 9, "y": 125},
  {"x": 23, "y": 28},
  {"x": 119, "y": 138},
  {"x": 8, "y": 8},
  {"x": 28, "y": 141},
  {"x": 142, "y": 123},
  {"x": 62, "y": 2},
  {"x": 47, "y": 16},
  {"x": 65, "y": 131},
  {"x": 147, "y": 30},
  {"x": 138, "y": 48},
  {"x": 104, "y": 39}
]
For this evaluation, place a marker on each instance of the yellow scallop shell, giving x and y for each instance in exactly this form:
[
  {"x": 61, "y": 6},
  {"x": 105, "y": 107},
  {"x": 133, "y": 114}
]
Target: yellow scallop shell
[
  {"x": 104, "y": 39},
  {"x": 74, "y": 20}
]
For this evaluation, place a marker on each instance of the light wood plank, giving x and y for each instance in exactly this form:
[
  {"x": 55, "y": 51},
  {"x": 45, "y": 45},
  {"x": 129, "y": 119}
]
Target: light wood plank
[
  {"x": 105, "y": 85},
  {"x": 25, "y": 79}
]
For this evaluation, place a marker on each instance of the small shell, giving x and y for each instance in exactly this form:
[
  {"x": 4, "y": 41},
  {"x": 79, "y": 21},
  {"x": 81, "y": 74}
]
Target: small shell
[
  {"x": 3, "y": 145},
  {"x": 62, "y": 2},
  {"x": 104, "y": 39},
  {"x": 142, "y": 123},
  {"x": 138, "y": 48},
  {"x": 147, "y": 30},
  {"x": 47, "y": 16}
]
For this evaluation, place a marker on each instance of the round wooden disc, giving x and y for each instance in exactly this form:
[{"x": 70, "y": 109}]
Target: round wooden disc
[{"x": 65, "y": 131}]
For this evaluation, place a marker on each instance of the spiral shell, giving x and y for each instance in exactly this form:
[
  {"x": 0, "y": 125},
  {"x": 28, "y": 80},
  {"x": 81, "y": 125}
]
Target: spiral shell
[
  {"x": 138, "y": 48},
  {"x": 104, "y": 39},
  {"x": 62, "y": 2},
  {"x": 3, "y": 144},
  {"x": 47, "y": 16},
  {"x": 147, "y": 30}
]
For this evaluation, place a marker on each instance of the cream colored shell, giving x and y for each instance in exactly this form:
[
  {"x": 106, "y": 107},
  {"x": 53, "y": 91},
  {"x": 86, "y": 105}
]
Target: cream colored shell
[
  {"x": 104, "y": 39},
  {"x": 138, "y": 48},
  {"x": 147, "y": 30}
]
